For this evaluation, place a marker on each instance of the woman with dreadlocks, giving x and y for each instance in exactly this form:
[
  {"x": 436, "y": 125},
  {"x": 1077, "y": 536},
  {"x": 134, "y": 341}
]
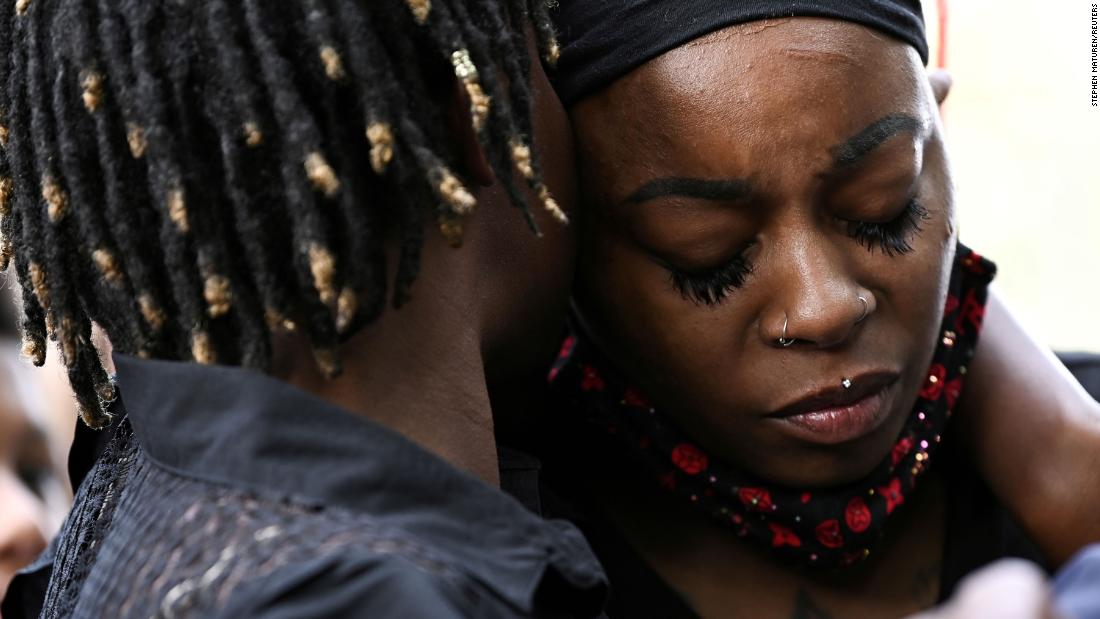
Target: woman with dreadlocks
[
  {"x": 233, "y": 192},
  {"x": 775, "y": 324}
]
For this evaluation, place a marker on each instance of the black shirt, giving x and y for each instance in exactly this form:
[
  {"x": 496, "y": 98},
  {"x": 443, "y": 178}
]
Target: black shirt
[{"x": 226, "y": 493}]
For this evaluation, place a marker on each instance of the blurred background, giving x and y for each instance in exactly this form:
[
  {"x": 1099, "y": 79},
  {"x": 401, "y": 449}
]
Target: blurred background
[
  {"x": 1025, "y": 146},
  {"x": 36, "y": 428}
]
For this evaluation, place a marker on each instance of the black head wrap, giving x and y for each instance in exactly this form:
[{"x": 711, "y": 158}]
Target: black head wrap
[{"x": 602, "y": 40}]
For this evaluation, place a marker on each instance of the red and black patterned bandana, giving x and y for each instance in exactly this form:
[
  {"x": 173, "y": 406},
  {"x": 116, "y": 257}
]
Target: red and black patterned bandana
[{"x": 821, "y": 528}]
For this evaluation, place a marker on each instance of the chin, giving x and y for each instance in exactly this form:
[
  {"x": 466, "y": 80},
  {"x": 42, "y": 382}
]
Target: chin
[
  {"x": 818, "y": 471},
  {"x": 828, "y": 470},
  {"x": 817, "y": 460},
  {"x": 819, "y": 466}
]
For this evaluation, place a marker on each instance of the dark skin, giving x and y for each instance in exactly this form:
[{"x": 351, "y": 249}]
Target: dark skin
[
  {"x": 483, "y": 315},
  {"x": 1036, "y": 436},
  {"x": 779, "y": 117},
  {"x": 799, "y": 147},
  {"x": 719, "y": 576},
  {"x": 489, "y": 310},
  {"x": 1034, "y": 430}
]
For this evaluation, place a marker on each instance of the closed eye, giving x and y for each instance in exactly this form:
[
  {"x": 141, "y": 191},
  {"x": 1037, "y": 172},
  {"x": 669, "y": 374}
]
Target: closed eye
[
  {"x": 711, "y": 286},
  {"x": 892, "y": 237}
]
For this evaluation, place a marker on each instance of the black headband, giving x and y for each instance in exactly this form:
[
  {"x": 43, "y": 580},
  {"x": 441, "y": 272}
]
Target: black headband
[{"x": 602, "y": 40}]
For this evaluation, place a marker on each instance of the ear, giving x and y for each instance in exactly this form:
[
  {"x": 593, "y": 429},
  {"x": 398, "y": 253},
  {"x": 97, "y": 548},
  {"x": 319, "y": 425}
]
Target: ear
[
  {"x": 941, "y": 82},
  {"x": 476, "y": 166}
]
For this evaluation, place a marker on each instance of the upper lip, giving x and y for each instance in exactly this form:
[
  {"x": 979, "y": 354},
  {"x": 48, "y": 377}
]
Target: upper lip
[{"x": 863, "y": 385}]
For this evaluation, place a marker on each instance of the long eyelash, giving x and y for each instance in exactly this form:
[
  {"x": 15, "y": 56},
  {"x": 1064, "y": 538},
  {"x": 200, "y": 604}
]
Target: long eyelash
[
  {"x": 892, "y": 237},
  {"x": 711, "y": 287}
]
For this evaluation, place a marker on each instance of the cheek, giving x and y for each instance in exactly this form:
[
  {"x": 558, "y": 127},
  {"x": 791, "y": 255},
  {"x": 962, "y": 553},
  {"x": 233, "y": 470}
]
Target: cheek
[
  {"x": 915, "y": 284},
  {"x": 670, "y": 345},
  {"x": 913, "y": 290},
  {"x": 936, "y": 193}
]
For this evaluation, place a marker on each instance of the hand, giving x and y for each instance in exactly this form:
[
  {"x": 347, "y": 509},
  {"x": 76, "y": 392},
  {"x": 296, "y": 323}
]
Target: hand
[{"x": 1007, "y": 589}]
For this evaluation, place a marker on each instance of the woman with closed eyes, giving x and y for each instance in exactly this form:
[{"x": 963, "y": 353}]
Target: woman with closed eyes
[{"x": 775, "y": 323}]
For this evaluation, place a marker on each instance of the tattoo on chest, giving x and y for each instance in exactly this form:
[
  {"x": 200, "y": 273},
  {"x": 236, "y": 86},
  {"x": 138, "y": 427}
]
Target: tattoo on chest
[{"x": 806, "y": 608}]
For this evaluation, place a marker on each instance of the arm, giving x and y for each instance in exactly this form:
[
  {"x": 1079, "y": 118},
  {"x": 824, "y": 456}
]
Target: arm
[{"x": 1035, "y": 434}]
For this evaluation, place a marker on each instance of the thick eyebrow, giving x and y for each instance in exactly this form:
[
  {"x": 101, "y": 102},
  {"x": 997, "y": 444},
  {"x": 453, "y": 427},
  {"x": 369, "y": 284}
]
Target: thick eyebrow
[
  {"x": 860, "y": 145},
  {"x": 845, "y": 154},
  {"x": 706, "y": 189}
]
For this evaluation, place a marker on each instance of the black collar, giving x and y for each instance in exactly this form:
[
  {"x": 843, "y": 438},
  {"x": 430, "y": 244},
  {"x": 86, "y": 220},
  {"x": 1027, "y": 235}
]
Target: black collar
[{"x": 246, "y": 429}]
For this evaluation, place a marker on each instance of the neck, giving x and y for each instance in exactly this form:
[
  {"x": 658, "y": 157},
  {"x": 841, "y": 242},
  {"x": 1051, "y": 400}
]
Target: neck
[
  {"x": 418, "y": 371},
  {"x": 713, "y": 569}
]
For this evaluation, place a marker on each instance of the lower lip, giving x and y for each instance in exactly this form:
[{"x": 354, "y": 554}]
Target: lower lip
[{"x": 831, "y": 426}]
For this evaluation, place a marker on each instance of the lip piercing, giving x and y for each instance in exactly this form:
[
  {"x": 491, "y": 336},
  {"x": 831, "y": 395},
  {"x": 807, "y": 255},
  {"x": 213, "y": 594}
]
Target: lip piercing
[
  {"x": 783, "y": 340},
  {"x": 846, "y": 383},
  {"x": 866, "y": 309}
]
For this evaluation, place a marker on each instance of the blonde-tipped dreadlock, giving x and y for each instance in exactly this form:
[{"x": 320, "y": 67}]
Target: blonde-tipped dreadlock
[
  {"x": 334, "y": 65},
  {"x": 56, "y": 200},
  {"x": 381, "y": 146},
  {"x": 252, "y": 134},
  {"x": 135, "y": 136},
  {"x": 420, "y": 9},
  {"x": 187, "y": 177},
  {"x": 7, "y": 187},
  {"x": 93, "y": 90},
  {"x": 466, "y": 71}
]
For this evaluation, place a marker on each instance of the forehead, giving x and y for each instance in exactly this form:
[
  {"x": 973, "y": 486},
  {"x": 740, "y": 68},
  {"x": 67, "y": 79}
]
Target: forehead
[{"x": 748, "y": 95}]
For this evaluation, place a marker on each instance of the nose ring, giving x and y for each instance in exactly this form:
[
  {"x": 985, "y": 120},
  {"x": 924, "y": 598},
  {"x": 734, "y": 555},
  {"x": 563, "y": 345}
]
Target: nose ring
[
  {"x": 866, "y": 309},
  {"x": 783, "y": 340}
]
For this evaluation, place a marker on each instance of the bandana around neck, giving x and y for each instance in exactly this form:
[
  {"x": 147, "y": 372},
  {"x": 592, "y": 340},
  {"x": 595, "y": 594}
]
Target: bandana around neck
[{"x": 820, "y": 528}]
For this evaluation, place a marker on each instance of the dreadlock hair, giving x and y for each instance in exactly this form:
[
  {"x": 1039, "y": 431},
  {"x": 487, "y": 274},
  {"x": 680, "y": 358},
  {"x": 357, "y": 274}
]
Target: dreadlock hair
[{"x": 194, "y": 176}]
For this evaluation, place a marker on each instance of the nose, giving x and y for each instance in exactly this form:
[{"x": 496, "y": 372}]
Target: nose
[
  {"x": 817, "y": 303},
  {"x": 22, "y": 517}
]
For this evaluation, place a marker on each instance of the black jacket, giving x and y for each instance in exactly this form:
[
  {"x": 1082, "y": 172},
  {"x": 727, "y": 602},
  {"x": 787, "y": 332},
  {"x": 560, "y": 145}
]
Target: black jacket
[{"x": 225, "y": 493}]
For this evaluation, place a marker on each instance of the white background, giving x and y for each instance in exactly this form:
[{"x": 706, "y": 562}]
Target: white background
[{"x": 1025, "y": 146}]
